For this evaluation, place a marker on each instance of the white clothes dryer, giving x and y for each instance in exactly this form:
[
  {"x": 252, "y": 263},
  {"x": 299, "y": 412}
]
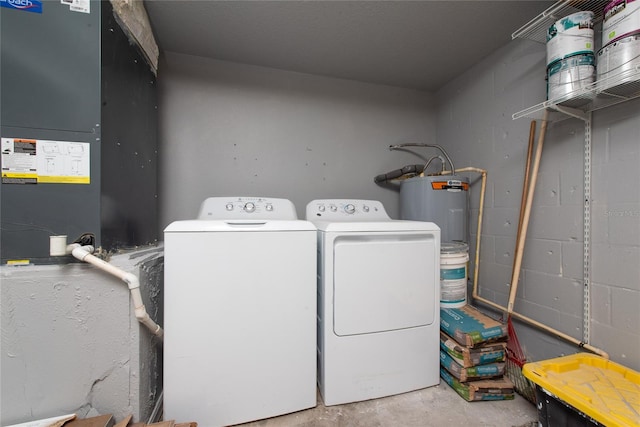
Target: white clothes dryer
[
  {"x": 378, "y": 301},
  {"x": 240, "y": 312}
]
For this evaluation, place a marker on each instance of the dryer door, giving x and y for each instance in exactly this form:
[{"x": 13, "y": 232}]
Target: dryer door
[{"x": 385, "y": 281}]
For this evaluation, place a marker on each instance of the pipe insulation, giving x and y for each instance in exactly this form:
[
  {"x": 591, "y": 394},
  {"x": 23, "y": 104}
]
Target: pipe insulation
[
  {"x": 85, "y": 254},
  {"x": 134, "y": 21}
]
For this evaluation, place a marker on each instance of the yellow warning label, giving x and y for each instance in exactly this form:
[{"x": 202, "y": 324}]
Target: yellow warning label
[
  {"x": 23, "y": 175},
  {"x": 18, "y": 262},
  {"x": 64, "y": 179}
]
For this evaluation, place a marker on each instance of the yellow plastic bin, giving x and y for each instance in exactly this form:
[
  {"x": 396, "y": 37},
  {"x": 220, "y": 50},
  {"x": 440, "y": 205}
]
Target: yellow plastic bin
[{"x": 585, "y": 389}]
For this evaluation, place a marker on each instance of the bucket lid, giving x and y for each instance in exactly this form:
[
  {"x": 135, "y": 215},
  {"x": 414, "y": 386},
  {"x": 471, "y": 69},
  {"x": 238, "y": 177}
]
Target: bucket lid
[{"x": 453, "y": 247}]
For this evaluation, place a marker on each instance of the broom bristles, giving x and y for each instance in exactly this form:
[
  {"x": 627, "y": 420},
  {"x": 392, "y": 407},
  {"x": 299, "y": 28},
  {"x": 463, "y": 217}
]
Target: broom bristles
[
  {"x": 515, "y": 360},
  {"x": 513, "y": 345}
]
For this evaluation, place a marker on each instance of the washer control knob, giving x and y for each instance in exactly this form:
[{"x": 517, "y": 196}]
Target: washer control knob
[
  {"x": 365, "y": 208},
  {"x": 229, "y": 206},
  {"x": 249, "y": 207},
  {"x": 269, "y": 207},
  {"x": 321, "y": 208},
  {"x": 350, "y": 209},
  {"x": 333, "y": 208}
]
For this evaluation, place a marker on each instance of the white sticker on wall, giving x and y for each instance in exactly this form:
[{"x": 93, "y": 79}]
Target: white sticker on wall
[
  {"x": 31, "y": 161},
  {"x": 83, "y": 6}
]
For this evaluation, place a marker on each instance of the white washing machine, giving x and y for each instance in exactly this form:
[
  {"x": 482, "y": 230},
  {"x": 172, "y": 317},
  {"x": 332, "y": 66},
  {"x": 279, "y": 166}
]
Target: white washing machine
[
  {"x": 378, "y": 301},
  {"x": 240, "y": 312}
]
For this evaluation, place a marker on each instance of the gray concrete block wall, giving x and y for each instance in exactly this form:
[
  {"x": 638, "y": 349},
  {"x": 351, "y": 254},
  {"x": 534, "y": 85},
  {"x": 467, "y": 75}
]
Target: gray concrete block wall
[
  {"x": 474, "y": 123},
  {"x": 71, "y": 343},
  {"x": 616, "y": 230}
]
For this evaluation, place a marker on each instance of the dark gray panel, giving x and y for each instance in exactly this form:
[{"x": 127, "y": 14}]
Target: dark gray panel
[
  {"x": 50, "y": 68},
  {"x": 50, "y": 79},
  {"x": 129, "y": 141},
  {"x": 30, "y": 213}
]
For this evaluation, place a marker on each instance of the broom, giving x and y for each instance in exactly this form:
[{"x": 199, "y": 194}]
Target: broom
[{"x": 515, "y": 354}]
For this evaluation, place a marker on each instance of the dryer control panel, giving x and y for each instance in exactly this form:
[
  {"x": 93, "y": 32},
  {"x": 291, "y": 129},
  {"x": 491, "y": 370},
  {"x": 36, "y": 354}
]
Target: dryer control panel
[
  {"x": 346, "y": 210},
  {"x": 250, "y": 208}
]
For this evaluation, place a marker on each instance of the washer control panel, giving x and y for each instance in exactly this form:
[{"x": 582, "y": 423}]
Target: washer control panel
[
  {"x": 346, "y": 210},
  {"x": 253, "y": 208}
]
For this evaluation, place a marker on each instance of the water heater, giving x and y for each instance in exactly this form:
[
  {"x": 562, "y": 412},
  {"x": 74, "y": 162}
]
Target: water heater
[{"x": 441, "y": 199}]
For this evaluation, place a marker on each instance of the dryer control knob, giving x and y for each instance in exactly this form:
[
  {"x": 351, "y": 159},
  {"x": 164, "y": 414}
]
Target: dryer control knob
[
  {"x": 229, "y": 206},
  {"x": 249, "y": 207},
  {"x": 333, "y": 208},
  {"x": 365, "y": 208},
  {"x": 349, "y": 208},
  {"x": 321, "y": 208},
  {"x": 269, "y": 207}
]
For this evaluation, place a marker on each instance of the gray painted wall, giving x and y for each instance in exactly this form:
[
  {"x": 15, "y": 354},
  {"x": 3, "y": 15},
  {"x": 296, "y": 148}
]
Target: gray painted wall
[
  {"x": 71, "y": 342},
  {"x": 230, "y": 129},
  {"x": 474, "y": 123}
]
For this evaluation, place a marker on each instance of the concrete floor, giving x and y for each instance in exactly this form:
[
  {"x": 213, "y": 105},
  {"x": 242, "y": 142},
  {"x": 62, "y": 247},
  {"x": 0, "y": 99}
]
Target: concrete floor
[{"x": 434, "y": 406}]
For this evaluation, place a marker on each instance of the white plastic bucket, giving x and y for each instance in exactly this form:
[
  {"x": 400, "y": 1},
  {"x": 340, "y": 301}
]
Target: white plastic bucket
[
  {"x": 570, "y": 36},
  {"x": 58, "y": 245},
  {"x": 617, "y": 63},
  {"x": 621, "y": 19},
  {"x": 567, "y": 78},
  {"x": 453, "y": 274}
]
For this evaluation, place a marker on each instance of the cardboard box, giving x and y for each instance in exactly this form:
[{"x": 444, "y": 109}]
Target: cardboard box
[
  {"x": 98, "y": 421},
  {"x": 499, "y": 389},
  {"x": 167, "y": 423},
  {"x": 108, "y": 421},
  {"x": 468, "y": 356},
  {"x": 471, "y": 328},
  {"x": 473, "y": 373}
]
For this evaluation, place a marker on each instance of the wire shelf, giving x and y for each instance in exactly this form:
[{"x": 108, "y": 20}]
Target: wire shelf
[
  {"x": 602, "y": 93},
  {"x": 536, "y": 29},
  {"x": 608, "y": 90}
]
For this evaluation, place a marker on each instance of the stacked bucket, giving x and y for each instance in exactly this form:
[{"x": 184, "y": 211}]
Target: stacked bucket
[
  {"x": 620, "y": 53},
  {"x": 570, "y": 58},
  {"x": 454, "y": 257}
]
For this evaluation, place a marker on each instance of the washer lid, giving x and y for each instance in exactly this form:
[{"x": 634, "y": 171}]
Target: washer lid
[{"x": 237, "y": 225}]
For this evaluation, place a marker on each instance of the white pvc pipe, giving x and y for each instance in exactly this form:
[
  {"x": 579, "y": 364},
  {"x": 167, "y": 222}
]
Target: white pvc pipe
[
  {"x": 84, "y": 253},
  {"x": 483, "y": 175}
]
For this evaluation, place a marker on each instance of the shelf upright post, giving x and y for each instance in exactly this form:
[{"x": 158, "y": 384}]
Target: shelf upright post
[{"x": 586, "y": 229}]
